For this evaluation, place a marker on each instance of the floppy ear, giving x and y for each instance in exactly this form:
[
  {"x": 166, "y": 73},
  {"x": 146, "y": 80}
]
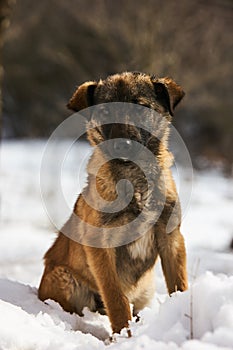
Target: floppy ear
[
  {"x": 83, "y": 96},
  {"x": 168, "y": 93}
]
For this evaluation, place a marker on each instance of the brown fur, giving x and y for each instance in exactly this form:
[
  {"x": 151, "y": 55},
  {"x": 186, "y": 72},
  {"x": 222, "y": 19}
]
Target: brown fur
[{"x": 109, "y": 279}]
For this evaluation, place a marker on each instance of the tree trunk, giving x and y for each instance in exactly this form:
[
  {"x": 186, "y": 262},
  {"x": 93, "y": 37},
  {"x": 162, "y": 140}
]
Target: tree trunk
[{"x": 5, "y": 8}]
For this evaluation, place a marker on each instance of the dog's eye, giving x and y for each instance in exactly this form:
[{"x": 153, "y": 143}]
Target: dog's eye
[
  {"x": 104, "y": 111},
  {"x": 144, "y": 105},
  {"x": 100, "y": 114},
  {"x": 140, "y": 104}
]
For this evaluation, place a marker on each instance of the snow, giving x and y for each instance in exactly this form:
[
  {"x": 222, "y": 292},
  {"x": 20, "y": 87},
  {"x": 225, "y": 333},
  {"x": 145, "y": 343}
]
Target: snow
[{"x": 205, "y": 310}]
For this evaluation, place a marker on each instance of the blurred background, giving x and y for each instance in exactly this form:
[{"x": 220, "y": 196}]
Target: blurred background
[{"x": 53, "y": 46}]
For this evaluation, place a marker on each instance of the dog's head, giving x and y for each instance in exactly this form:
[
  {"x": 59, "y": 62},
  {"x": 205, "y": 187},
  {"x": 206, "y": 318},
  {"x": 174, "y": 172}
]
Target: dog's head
[{"x": 135, "y": 91}]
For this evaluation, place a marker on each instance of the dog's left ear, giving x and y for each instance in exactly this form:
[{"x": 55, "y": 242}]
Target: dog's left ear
[
  {"x": 83, "y": 96},
  {"x": 168, "y": 93}
]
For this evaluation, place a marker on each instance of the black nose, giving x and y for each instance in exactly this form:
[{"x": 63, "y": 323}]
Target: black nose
[{"x": 121, "y": 148}]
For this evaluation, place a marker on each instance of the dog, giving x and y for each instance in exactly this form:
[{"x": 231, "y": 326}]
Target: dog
[{"x": 108, "y": 278}]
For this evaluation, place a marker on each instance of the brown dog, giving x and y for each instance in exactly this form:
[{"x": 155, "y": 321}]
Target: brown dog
[{"x": 109, "y": 279}]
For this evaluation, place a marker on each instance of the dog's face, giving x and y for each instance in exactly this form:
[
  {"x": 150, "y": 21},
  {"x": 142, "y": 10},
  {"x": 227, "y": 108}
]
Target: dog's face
[{"x": 121, "y": 122}]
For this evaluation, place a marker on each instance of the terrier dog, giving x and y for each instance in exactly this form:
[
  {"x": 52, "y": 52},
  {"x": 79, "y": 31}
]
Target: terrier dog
[{"x": 109, "y": 277}]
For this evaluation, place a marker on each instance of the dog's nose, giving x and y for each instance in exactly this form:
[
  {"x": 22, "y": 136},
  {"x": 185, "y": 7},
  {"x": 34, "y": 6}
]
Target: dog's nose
[{"x": 122, "y": 146}]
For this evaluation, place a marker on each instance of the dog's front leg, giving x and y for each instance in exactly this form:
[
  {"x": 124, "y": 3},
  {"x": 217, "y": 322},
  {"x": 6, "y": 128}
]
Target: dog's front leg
[
  {"x": 102, "y": 265},
  {"x": 171, "y": 249}
]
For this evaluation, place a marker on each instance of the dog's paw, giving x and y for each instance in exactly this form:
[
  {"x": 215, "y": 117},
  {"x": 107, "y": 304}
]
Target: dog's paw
[
  {"x": 111, "y": 339},
  {"x": 125, "y": 332}
]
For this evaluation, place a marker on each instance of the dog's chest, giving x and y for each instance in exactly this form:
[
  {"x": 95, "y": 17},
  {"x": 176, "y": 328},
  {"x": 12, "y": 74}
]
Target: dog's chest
[
  {"x": 134, "y": 259},
  {"x": 143, "y": 247}
]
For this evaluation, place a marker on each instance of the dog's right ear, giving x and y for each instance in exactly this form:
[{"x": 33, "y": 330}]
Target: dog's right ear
[{"x": 83, "y": 96}]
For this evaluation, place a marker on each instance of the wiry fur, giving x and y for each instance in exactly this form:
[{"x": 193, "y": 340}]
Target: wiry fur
[{"x": 108, "y": 279}]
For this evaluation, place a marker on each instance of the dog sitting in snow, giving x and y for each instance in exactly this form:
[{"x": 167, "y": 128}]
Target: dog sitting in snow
[{"x": 109, "y": 279}]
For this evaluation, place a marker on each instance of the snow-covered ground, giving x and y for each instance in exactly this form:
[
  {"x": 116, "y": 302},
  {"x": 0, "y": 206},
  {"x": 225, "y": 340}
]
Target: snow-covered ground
[{"x": 201, "y": 318}]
